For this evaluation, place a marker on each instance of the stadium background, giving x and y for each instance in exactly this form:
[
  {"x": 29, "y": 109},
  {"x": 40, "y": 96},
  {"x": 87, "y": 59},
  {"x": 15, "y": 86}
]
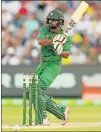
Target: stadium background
[{"x": 80, "y": 80}]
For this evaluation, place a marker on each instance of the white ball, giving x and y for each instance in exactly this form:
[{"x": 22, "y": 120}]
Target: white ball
[{"x": 16, "y": 128}]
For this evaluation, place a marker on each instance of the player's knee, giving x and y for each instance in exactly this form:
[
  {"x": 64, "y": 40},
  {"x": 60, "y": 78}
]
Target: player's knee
[{"x": 44, "y": 83}]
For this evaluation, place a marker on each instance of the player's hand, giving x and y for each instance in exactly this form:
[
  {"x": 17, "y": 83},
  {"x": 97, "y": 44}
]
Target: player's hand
[
  {"x": 58, "y": 47},
  {"x": 61, "y": 38}
]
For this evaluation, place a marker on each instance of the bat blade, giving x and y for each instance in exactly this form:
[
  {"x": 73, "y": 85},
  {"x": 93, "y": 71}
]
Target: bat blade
[
  {"x": 79, "y": 11},
  {"x": 76, "y": 16}
]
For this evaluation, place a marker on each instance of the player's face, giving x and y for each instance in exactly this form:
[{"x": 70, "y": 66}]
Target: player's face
[{"x": 53, "y": 24}]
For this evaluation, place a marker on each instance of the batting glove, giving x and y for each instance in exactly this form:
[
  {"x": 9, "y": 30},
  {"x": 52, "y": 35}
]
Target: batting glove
[
  {"x": 61, "y": 38},
  {"x": 58, "y": 47}
]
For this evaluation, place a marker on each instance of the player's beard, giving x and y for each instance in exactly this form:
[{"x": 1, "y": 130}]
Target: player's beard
[{"x": 54, "y": 26}]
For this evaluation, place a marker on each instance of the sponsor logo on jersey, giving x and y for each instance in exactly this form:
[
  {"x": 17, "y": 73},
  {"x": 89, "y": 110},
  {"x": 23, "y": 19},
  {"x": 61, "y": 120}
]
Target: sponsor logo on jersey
[{"x": 47, "y": 35}]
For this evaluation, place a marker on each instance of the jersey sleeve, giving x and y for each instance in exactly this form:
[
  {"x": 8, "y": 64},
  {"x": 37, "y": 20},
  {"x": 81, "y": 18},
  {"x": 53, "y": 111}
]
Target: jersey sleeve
[
  {"x": 41, "y": 34},
  {"x": 67, "y": 46}
]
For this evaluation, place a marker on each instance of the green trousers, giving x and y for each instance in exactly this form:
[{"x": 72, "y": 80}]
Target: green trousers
[{"x": 47, "y": 73}]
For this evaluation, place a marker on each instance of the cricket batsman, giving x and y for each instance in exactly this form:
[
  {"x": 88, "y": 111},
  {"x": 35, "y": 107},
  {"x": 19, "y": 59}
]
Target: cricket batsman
[{"x": 55, "y": 44}]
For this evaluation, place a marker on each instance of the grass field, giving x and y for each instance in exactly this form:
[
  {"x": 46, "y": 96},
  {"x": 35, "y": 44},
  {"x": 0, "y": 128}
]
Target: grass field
[{"x": 82, "y": 118}]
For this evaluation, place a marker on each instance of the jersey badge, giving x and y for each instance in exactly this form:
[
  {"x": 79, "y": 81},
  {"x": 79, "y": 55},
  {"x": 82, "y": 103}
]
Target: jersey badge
[{"x": 47, "y": 36}]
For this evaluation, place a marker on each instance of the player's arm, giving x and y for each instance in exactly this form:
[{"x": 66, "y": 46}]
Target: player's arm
[
  {"x": 65, "y": 54},
  {"x": 62, "y": 38},
  {"x": 45, "y": 42},
  {"x": 42, "y": 40}
]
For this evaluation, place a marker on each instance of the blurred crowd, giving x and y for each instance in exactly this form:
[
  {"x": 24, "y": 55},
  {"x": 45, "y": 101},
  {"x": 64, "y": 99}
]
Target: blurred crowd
[{"x": 21, "y": 21}]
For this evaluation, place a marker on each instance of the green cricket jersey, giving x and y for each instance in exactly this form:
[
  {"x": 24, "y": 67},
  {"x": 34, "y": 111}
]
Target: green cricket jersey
[{"x": 47, "y": 52}]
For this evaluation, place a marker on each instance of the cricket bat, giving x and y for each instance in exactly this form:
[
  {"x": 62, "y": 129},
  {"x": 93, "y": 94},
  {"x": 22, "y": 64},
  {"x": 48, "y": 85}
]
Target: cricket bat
[{"x": 76, "y": 16}]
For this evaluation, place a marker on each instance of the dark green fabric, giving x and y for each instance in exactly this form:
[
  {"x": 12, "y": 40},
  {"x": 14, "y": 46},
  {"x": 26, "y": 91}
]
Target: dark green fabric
[
  {"x": 47, "y": 51},
  {"x": 47, "y": 73},
  {"x": 55, "y": 14},
  {"x": 53, "y": 108},
  {"x": 47, "y": 103}
]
